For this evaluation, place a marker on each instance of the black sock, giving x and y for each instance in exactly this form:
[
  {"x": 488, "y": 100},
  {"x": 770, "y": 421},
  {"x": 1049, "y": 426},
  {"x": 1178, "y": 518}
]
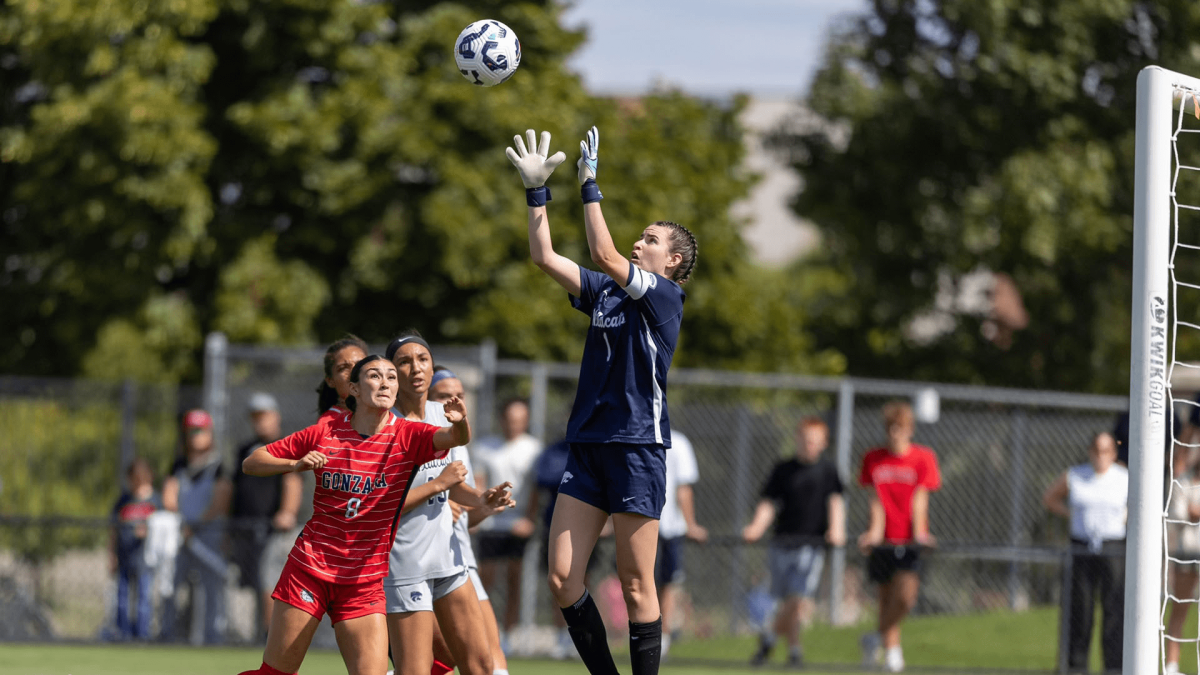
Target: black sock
[
  {"x": 587, "y": 632},
  {"x": 645, "y": 646}
]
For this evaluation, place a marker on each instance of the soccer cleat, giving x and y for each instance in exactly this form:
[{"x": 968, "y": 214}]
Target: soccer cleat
[
  {"x": 893, "y": 660},
  {"x": 762, "y": 655},
  {"x": 871, "y": 644}
]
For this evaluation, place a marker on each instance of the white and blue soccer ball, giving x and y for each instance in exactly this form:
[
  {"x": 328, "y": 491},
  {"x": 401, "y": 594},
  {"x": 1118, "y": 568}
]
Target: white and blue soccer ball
[{"x": 487, "y": 52}]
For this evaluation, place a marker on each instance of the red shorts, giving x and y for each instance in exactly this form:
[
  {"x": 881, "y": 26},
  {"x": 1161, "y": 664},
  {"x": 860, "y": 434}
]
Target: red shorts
[{"x": 300, "y": 589}]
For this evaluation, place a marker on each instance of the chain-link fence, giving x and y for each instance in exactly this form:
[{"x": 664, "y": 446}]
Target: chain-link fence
[{"x": 998, "y": 449}]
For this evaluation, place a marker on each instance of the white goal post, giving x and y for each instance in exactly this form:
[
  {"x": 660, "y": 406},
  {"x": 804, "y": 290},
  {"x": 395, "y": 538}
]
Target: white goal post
[{"x": 1152, "y": 358}]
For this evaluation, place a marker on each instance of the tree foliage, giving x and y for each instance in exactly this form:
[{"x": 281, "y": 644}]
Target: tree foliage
[
  {"x": 288, "y": 170},
  {"x": 963, "y": 135}
]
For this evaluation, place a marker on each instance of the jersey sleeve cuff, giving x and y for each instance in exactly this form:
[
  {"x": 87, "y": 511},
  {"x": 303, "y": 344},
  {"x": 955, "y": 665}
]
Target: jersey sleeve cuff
[{"x": 639, "y": 282}]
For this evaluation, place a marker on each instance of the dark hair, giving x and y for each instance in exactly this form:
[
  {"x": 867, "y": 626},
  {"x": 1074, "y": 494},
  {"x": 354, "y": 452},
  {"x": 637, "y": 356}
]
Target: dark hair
[
  {"x": 354, "y": 375},
  {"x": 513, "y": 401},
  {"x": 327, "y": 396},
  {"x": 683, "y": 242},
  {"x": 139, "y": 463}
]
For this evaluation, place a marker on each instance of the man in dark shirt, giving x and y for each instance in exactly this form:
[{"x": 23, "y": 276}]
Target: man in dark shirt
[
  {"x": 261, "y": 506},
  {"x": 803, "y": 496}
]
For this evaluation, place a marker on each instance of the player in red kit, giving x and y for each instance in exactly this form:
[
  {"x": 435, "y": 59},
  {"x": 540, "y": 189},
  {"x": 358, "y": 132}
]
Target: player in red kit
[
  {"x": 362, "y": 461},
  {"x": 902, "y": 475},
  {"x": 340, "y": 358}
]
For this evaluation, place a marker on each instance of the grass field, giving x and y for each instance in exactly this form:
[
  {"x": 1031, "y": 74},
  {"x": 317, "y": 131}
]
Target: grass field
[{"x": 1000, "y": 641}]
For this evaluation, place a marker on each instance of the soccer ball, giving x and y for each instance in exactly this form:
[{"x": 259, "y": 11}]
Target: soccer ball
[{"x": 487, "y": 52}]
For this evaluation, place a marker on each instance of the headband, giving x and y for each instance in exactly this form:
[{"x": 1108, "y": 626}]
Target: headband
[
  {"x": 444, "y": 374},
  {"x": 401, "y": 341}
]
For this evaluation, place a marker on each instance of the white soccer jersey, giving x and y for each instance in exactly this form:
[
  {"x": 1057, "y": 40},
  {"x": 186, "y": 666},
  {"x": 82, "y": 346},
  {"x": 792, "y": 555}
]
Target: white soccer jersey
[
  {"x": 425, "y": 546},
  {"x": 460, "y": 526}
]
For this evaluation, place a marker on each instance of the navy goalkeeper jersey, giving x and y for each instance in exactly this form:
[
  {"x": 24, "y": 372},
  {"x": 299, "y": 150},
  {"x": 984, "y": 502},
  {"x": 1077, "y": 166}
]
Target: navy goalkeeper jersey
[{"x": 622, "y": 395}]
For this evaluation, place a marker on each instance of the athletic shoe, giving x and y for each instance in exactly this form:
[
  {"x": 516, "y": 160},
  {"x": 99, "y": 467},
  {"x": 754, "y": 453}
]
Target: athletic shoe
[
  {"x": 893, "y": 660},
  {"x": 763, "y": 654},
  {"x": 871, "y": 644},
  {"x": 795, "y": 660}
]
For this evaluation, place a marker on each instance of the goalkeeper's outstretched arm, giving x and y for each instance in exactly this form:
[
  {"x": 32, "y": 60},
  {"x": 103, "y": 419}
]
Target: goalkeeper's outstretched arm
[{"x": 535, "y": 168}]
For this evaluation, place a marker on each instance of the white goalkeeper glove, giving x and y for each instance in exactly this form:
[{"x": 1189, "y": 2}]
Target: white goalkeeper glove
[
  {"x": 535, "y": 167},
  {"x": 589, "y": 150}
]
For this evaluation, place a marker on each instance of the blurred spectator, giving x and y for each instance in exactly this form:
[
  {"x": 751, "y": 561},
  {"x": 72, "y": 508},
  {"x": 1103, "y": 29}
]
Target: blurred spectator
[
  {"x": 677, "y": 522},
  {"x": 901, "y": 475},
  {"x": 1183, "y": 542},
  {"x": 129, "y": 516},
  {"x": 199, "y": 490},
  {"x": 262, "y": 506},
  {"x": 1094, "y": 497},
  {"x": 503, "y": 537},
  {"x": 805, "y": 492}
]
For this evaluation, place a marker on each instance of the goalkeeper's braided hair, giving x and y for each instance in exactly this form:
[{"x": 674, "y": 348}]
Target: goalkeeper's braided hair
[{"x": 683, "y": 242}]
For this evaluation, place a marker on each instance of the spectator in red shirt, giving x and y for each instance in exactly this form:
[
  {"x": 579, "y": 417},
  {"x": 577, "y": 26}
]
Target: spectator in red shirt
[{"x": 902, "y": 475}]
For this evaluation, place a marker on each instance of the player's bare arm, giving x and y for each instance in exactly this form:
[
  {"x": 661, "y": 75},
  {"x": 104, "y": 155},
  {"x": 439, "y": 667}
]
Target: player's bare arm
[
  {"x": 874, "y": 534},
  {"x": 764, "y": 515},
  {"x": 487, "y": 502},
  {"x": 1056, "y": 495},
  {"x": 262, "y": 463},
  {"x": 535, "y": 168},
  {"x": 604, "y": 252},
  {"x": 836, "y": 532},
  {"x": 453, "y": 474},
  {"x": 921, "y": 517},
  {"x": 459, "y": 431}
]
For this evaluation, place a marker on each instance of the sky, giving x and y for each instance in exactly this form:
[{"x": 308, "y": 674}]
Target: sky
[{"x": 768, "y": 48}]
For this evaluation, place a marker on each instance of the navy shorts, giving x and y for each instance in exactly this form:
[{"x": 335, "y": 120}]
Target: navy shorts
[
  {"x": 617, "y": 477},
  {"x": 670, "y": 562}
]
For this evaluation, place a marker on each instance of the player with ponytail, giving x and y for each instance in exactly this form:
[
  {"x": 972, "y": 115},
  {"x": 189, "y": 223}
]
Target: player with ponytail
[
  {"x": 619, "y": 428},
  {"x": 362, "y": 460}
]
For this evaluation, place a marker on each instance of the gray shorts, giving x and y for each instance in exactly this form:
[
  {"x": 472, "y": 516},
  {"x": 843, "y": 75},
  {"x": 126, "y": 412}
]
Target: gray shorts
[
  {"x": 480, "y": 591},
  {"x": 795, "y": 571},
  {"x": 420, "y": 596}
]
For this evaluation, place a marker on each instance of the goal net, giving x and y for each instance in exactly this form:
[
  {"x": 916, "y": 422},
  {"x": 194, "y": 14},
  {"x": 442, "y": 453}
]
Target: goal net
[{"x": 1166, "y": 230}]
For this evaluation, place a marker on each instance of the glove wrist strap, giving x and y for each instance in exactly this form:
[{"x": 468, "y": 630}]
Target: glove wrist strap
[
  {"x": 590, "y": 191},
  {"x": 537, "y": 196}
]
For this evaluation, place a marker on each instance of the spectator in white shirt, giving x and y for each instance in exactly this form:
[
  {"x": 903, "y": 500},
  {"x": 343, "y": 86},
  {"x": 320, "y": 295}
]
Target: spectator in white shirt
[
  {"x": 503, "y": 537},
  {"x": 678, "y": 522}
]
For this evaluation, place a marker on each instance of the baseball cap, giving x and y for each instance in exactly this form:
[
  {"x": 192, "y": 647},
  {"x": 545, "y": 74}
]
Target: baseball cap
[
  {"x": 197, "y": 419},
  {"x": 262, "y": 402}
]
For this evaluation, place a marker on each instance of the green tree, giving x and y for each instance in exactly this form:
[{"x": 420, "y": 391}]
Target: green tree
[
  {"x": 288, "y": 170},
  {"x": 967, "y": 135}
]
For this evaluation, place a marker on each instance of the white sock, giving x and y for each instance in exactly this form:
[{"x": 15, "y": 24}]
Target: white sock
[{"x": 500, "y": 671}]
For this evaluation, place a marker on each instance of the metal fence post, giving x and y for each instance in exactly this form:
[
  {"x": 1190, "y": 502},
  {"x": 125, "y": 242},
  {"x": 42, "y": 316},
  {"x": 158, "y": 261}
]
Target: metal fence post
[
  {"x": 128, "y": 420},
  {"x": 1064, "y": 626},
  {"x": 539, "y": 400},
  {"x": 1017, "y": 501},
  {"x": 487, "y": 389},
  {"x": 216, "y": 385},
  {"x": 741, "y": 493},
  {"x": 845, "y": 436}
]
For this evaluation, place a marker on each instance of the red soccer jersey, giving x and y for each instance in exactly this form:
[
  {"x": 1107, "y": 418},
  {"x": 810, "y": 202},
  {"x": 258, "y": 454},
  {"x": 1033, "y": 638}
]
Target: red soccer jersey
[
  {"x": 359, "y": 492},
  {"x": 896, "y": 478},
  {"x": 330, "y": 416}
]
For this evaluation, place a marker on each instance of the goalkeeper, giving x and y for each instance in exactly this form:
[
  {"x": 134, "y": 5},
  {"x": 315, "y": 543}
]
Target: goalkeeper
[{"x": 619, "y": 429}]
